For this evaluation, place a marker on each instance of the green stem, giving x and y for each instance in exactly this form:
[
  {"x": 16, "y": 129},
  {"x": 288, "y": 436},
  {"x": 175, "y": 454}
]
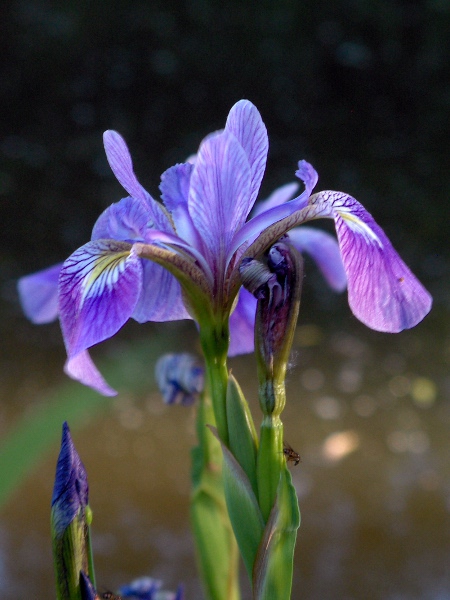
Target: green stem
[
  {"x": 269, "y": 462},
  {"x": 214, "y": 343}
]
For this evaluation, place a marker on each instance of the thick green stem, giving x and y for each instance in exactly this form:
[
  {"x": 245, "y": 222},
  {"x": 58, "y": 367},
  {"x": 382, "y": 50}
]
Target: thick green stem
[
  {"x": 215, "y": 348},
  {"x": 269, "y": 462}
]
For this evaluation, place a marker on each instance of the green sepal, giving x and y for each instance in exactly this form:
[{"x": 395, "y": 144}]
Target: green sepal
[
  {"x": 243, "y": 440},
  {"x": 216, "y": 548},
  {"x": 243, "y": 509},
  {"x": 70, "y": 556},
  {"x": 270, "y": 462},
  {"x": 272, "y": 574}
]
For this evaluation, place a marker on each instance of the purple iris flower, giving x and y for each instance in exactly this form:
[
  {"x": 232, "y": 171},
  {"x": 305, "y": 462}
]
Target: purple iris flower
[{"x": 195, "y": 239}]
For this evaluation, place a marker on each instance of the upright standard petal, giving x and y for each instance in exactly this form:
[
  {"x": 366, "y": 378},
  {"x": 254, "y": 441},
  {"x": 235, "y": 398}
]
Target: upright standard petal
[
  {"x": 119, "y": 159},
  {"x": 382, "y": 291},
  {"x": 219, "y": 193},
  {"x": 38, "y": 295},
  {"x": 99, "y": 287},
  {"x": 252, "y": 229},
  {"x": 245, "y": 123}
]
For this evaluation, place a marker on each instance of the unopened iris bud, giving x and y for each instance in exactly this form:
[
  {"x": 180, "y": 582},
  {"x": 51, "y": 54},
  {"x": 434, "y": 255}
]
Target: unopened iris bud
[
  {"x": 87, "y": 590},
  {"x": 70, "y": 518},
  {"x": 180, "y": 378},
  {"x": 277, "y": 286}
]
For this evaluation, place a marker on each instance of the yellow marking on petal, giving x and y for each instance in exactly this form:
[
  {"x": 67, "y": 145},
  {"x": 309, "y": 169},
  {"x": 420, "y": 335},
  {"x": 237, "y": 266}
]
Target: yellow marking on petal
[
  {"x": 105, "y": 274},
  {"x": 360, "y": 227}
]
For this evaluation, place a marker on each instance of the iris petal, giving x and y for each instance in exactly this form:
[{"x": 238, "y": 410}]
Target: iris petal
[
  {"x": 242, "y": 323},
  {"x": 127, "y": 220},
  {"x": 119, "y": 159},
  {"x": 324, "y": 249},
  {"x": 245, "y": 123},
  {"x": 218, "y": 196},
  {"x": 161, "y": 298},
  {"x": 174, "y": 193},
  {"x": 382, "y": 291},
  {"x": 99, "y": 287},
  {"x": 81, "y": 368},
  {"x": 39, "y": 294},
  {"x": 251, "y": 230},
  {"x": 281, "y": 195}
]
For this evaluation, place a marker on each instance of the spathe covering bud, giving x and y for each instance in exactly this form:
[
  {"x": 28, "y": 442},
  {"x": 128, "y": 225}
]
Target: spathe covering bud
[
  {"x": 70, "y": 519},
  {"x": 277, "y": 287}
]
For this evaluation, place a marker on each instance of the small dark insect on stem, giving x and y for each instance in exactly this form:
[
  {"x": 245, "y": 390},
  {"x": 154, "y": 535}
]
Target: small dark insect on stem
[{"x": 290, "y": 454}]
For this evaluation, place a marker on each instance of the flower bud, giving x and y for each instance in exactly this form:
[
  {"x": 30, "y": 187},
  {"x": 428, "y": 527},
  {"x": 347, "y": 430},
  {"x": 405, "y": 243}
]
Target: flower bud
[
  {"x": 180, "y": 378},
  {"x": 277, "y": 286},
  {"x": 70, "y": 517}
]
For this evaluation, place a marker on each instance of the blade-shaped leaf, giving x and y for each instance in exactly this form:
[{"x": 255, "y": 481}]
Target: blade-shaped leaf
[
  {"x": 272, "y": 573},
  {"x": 241, "y": 430},
  {"x": 243, "y": 509}
]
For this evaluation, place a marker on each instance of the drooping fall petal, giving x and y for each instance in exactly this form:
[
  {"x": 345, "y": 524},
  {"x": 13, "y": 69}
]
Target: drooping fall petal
[{"x": 99, "y": 285}]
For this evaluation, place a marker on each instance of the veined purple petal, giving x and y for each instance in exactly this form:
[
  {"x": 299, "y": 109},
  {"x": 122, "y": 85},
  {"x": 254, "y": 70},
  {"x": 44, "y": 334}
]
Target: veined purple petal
[
  {"x": 127, "y": 220},
  {"x": 242, "y": 324},
  {"x": 174, "y": 185},
  {"x": 382, "y": 291},
  {"x": 250, "y": 231},
  {"x": 99, "y": 287},
  {"x": 279, "y": 196},
  {"x": 245, "y": 123},
  {"x": 174, "y": 188},
  {"x": 81, "y": 368},
  {"x": 119, "y": 159},
  {"x": 219, "y": 192},
  {"x": 161, "y": 298},
  {"x": 38, "y": 294},
  {"x": 324, "y": 249}
]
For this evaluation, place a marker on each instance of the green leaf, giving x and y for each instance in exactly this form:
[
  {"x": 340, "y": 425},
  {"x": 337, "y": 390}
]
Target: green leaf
[
  {"x": 217, "y": 553},
  {"x": 243, "y": 509},
  {"x": 272, "y": 574},
  {"x": 241, "y": 431}
]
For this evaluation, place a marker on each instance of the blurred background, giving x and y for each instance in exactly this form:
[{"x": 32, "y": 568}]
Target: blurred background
[{"x": 361, "y": 90}]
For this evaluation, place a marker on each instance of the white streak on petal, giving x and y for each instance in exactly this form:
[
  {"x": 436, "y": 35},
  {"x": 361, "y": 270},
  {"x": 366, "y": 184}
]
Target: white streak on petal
[{"x": 99, "y": 287}]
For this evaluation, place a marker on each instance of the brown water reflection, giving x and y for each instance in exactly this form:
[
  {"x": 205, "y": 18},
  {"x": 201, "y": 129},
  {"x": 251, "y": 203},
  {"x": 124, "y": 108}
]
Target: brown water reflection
[{"x": 369, "y": 414}]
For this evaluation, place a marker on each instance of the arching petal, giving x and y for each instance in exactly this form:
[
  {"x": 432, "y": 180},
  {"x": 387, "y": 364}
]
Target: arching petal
[
  {"x": 251, "y": 230},
  {"x": 382, "y": 291},
  {"x": 161, "y": 298},
  {"x": 99, "y": 287},
  {"x": 245, "y": 123},
  {"x": 242, "y": 325},
  {"x": 81, "y": 368},
  {"x": 119, "y": 159},
  {"x": 218, "y": 196},
  {"x": 279, "y": 196},
  {"x": 324, "y": 250},
  {"x": 38, "y": 295}
]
